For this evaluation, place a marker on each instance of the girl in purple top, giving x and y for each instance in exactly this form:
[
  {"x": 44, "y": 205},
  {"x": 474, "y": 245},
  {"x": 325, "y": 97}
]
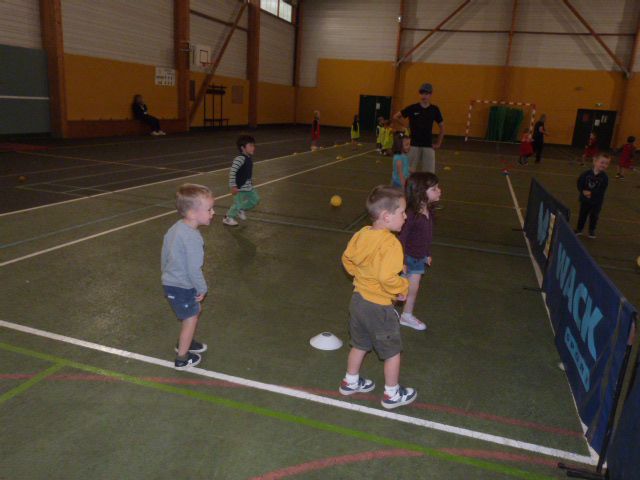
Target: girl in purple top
[{"x": 422, "y": 192}]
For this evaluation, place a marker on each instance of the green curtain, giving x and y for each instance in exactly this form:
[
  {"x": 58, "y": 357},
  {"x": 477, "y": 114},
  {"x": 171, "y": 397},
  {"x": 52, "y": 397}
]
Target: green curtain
[{"x": 504, "y": 124}]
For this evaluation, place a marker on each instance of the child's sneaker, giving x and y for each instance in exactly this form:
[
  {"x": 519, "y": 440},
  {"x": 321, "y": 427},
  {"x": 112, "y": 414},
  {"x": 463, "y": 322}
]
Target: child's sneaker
[
  {"x": 409, "y": 320},
  {"x": 229, "y": 221},
  {"x": 192, "y": 360},
  {"x": 195, "y": 347},
  {"x": 578, "y": 233},
  {"x": 403, "y": 396},
  {"x": 242, "y": 215},
  {"x": 592, "y": 235},
  {"x": 363, "y": 385}
]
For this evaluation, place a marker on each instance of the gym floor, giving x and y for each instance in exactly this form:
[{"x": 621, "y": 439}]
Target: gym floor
[{"x": 87, "y": 387}]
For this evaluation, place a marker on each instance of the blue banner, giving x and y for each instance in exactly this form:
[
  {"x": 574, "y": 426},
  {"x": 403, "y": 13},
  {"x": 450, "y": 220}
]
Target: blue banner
[
  {"x": 623, "y": 458},
  {"x": 592, "y": 321},
  {"x": 542, "y": 210}
]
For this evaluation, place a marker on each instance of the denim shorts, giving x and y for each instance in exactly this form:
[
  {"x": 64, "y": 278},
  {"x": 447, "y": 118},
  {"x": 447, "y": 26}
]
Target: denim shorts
[
  {"x": 415, "y": 265},
  {"x": 183, "y": 301}
]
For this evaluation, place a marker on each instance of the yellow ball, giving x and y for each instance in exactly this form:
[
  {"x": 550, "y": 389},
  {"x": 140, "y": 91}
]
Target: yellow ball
[
  {"x": 22, "y": 179},
  {"x": 336, "y": 201},
  {"x": 447, "y": 168},
  {"x": 338, "y": 157}
]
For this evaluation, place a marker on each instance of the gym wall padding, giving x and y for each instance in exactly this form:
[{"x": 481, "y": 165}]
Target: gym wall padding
[
  {"x": 23, "y": 74},
  {"x": 103, "y": 89},
  {"x": 276, "y": 103},
  {"x": 558, "y": 93}
]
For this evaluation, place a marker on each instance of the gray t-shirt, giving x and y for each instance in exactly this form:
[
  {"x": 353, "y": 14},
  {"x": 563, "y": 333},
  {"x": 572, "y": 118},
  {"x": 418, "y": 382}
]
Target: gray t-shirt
[{"x": 182, "y": 258}]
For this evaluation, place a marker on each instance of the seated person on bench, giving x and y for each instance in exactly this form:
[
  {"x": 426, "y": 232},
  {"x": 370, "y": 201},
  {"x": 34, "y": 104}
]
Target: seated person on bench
[{"x": 140, "y": 112}]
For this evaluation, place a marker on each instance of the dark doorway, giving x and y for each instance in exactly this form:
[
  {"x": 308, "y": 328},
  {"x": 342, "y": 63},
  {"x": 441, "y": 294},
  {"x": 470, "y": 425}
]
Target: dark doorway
[
  {"x": 372, "y": 107},
  {"x": 599, "y": 121}
]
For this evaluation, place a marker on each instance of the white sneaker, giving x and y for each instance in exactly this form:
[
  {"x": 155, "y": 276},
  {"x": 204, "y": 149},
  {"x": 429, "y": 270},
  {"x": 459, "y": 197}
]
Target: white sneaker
[
  {"x": 160, "y": 132},
  {"x": 155, "y": 134},
  {"x": 409, "y": 320},
  {"x": 242, "y": 215},
  {"x": 229, "y": 221}
]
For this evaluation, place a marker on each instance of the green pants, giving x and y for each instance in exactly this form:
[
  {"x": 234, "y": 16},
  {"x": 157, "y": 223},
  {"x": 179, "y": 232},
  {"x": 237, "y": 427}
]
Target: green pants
[{"x": 243, "y": 201}]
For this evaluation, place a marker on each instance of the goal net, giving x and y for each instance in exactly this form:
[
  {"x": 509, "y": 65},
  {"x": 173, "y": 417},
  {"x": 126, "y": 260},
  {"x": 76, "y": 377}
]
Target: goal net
[{"x": 498, "y": 121}]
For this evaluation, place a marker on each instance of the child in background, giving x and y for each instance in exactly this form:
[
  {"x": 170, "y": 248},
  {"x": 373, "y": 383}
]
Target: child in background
[
  {"x": 355, "y": 132},
  {"x": 182, "y": 258},
  {"x": 387, "y": 138},
  {"x": 526, "y": 148},
  {"x": 141, "y": 112},
  {"x": 374, "y": 258},
  {"x": 592, "y": 186},
  {"x": 422, "y": 192},
  {"x": 591, "y": 150},
  {"x": 241, "y": 182},
  {"x": 401, "y": 147},
  {"x": 315, "y": 130},
  {"x": 626, "y": 157},
  {"x": 379, "y": 126}
]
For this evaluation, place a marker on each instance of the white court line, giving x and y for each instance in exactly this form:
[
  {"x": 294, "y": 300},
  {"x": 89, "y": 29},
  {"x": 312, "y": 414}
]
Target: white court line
[
  {"x": 170, "y": 212},
  {"x": 145, "y": 185},
  {"x": 291, "y": 392},
  {"x": 538, "y": 272}
]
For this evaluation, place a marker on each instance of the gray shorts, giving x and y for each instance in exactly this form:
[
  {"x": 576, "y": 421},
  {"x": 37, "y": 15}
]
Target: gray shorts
[
  {"x": 422, "y": 159},
  {"x": 374, "y": 326}
]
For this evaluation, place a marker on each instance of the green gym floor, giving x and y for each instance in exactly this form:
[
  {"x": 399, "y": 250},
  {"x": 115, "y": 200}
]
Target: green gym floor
[{"x": 87, "y": 388}]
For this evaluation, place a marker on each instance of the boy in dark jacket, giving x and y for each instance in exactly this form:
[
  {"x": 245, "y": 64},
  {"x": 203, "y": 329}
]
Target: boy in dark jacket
[{"x": 592, "y": 185}]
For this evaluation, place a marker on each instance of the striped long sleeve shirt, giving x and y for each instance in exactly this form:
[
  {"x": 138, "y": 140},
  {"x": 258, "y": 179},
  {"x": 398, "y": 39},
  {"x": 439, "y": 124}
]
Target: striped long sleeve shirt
[{"x": 241, "y": 173}]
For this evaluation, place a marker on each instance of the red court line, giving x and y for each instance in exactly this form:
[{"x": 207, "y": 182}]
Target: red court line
[
  {"x": 333, "y": 461},
  {"x": 380, "y": 454},
  {"x": 328, "y": 393},
  {"x": 496, "y": 455}
]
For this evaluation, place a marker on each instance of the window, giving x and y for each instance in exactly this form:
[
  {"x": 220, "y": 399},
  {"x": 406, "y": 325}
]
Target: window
[{"x": 279, "y": 8}]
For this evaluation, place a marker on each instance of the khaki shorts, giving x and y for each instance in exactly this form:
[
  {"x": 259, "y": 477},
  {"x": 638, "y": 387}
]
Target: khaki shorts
[
  {"x": 422, "y": 159},
  {"x": 374, "y": 326}
]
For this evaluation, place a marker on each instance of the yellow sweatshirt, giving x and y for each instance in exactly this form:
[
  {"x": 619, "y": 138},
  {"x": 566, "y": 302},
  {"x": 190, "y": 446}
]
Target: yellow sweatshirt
[{"x": 375, "y": 259}]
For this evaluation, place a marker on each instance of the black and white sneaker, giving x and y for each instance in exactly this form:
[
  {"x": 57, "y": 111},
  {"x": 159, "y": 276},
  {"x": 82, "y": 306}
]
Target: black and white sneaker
[
  {"x": 192, "y": 360},
  {"x": 195, "y": 347},
  {"x": 363, "y": 385},
  {"x": 403, "y": 396}
]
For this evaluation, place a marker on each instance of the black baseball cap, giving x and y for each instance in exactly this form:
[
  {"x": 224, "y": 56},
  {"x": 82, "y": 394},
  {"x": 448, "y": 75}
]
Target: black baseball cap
[{"x": 426, "y": 88}]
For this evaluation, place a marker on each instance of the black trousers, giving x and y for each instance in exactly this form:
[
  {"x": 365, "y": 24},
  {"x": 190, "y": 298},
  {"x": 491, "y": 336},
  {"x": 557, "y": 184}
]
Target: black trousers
[
  {"x": 152, "y": 121},
  {"x": 537, "y": 147},
  {"x": 591, "y": 210}
]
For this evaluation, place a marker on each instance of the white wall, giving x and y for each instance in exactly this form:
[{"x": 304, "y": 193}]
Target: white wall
[
  {"x": 208, "y": 32},
  {"x": 367, "y": 30},
  {"x": 20, "y": 23},
  {"x": 353, "y": 30},
  {"x": 139, "y": 32},
  {"x": 277, "y": 47}
]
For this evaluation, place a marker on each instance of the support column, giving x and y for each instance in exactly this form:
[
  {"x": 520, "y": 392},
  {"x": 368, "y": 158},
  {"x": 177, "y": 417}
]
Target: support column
[
  {"x": 395, "y": 99},
  {"x": 624, "y": 110},
  {"x": 297, "y": 59},
  {"x": 507, "y": 63},
  {"x": 51, "y": 30},
  {"x": 253, "y": 60},
  {"x": 181, "y": 24}
]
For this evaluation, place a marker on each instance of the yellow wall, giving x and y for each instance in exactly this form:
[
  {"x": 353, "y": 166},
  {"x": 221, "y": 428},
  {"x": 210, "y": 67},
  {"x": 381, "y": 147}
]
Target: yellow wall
[
  {"x": 275, "y": 103},
  {"x": 558, "y": 93},
  {"x": 340, "y": 84},
  {"x": 630, "y": 124},
  {"x": 101, "y": 89},
  {"x": 237, "y": 113}
]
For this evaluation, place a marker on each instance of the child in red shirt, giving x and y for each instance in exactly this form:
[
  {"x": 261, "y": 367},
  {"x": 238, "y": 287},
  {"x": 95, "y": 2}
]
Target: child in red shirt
[
  {"x": 526, "y": 148},
  {"x": 591, "y": 150},
  {"x": 626, "y": 156}
]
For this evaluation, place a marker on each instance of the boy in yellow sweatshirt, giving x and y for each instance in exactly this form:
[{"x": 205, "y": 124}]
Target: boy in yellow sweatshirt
[{"x": 374, "y": 258}]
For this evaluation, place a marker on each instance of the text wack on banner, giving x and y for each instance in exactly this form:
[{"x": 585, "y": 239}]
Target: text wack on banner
[
  {"x": 591, "y": 320},
  {"x": 542, "y": 210}
]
